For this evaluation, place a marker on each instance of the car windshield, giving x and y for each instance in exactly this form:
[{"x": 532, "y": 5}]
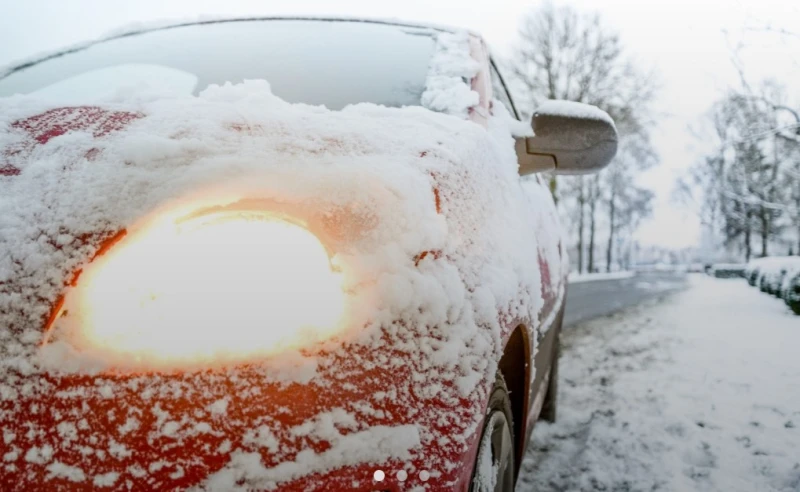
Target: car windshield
[{"x": 330, "y": 63}]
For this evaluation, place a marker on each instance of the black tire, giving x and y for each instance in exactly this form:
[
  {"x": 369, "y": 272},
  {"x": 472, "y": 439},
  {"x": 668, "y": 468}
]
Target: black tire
[
  {"x": 498, "y": 433},
  {"x": 550, "y": 405}
]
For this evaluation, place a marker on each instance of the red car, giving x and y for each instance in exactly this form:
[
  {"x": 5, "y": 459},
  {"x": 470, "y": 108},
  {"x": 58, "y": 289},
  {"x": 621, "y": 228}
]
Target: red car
[{"x": 333, "y": 280}]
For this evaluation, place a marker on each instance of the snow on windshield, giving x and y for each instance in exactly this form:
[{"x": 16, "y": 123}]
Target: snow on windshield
[
  {"x": 313, "y": 61},
  {"x": 427, "y": 221},
  {"x": 106, "y": 83}
]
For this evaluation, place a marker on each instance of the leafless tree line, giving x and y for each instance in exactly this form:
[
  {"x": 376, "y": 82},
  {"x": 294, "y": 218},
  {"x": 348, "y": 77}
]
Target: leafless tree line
[
  {"x": 566, "y": 54},
  {"x": 748, "y": 188}
]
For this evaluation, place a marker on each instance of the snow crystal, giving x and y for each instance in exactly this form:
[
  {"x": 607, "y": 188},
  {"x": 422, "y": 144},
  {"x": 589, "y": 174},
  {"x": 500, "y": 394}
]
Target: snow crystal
[
  {"x": 157, "y": 465},
  {"x": 202, "y": 428},
  {"x": 225, "y": 447},
  {"x": 262, "y": 437},
  {"x": 170, "y": 428},
  {"x": 118, "y": 450},
  {"x": 131, "y": 424},
  {"x": 106, "y": 391},
  {"x": 106, "y": 479},
  {"x": 67, "y": 431},
  {"x": 219, "y": 407},
  {"x": 57, "y": 469},
  {"x": 8, "y": 436},
  {"x": 39, "y": 455}
]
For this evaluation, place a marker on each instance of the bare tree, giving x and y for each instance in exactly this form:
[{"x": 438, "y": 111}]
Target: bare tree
[
  {"x": 566, "y": 54},
  {"x": 581, "y": 202},
  {"x": 627, "y": 202},
  {"x": 594, "y": 193}
]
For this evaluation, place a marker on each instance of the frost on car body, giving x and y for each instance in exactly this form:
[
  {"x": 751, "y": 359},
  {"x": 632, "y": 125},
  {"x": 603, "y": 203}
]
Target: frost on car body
[{"x": 442, "y": 252}]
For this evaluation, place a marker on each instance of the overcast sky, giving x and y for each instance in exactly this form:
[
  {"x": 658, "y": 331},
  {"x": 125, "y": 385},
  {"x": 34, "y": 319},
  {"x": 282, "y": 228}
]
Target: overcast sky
[{"x": 688, "y": 42}]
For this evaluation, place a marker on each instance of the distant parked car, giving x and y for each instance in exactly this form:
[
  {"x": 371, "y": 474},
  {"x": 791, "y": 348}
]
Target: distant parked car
[
  {"x": 695, "y": 268},
  {"x": 760, "y": 270},
  {"x": 727, "y": 270},
  {"x": 773, "y": 275},
  {"x": 752, "y": 273},
  {"x": 791, "y": 291},
  {"x": 777, "y": 275}
]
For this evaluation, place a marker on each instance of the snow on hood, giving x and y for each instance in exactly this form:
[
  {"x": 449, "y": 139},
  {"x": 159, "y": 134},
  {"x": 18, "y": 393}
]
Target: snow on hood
[{"x": 430, "y": 223}]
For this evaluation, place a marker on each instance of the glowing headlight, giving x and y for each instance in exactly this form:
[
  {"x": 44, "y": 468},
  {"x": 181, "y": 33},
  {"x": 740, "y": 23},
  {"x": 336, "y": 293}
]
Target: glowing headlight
[{"x": 224, "y": 286}]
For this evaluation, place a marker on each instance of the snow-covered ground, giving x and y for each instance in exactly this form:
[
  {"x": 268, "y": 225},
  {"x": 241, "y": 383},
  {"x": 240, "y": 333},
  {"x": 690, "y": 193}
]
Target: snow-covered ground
[{"x": 700, "y": 391}]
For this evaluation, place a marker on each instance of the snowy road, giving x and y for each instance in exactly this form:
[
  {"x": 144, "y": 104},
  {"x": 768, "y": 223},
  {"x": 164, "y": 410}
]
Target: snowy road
[
  {"x": 700, "y": 391},
  {"x": 588, "y": 300}
]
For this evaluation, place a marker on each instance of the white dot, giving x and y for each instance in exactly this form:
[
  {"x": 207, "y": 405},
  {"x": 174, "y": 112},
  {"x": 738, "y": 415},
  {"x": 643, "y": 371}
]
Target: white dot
[
  {"x": 424, "y": 475},
  {"x": 402, "y": 475},
  {"x": 379, "y": 475}
]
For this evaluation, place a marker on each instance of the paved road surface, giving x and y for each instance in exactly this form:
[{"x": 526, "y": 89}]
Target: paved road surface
[{"x": 587, "y": 300}]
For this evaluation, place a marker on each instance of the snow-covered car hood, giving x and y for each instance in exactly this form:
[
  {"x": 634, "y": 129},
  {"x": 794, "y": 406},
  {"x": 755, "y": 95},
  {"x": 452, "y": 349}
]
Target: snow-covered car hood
[{"x": 424, "y": 213}]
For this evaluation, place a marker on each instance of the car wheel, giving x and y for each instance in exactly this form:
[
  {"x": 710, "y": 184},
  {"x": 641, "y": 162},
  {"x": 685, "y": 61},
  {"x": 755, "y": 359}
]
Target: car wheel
[{"x": 495, "y": 463}]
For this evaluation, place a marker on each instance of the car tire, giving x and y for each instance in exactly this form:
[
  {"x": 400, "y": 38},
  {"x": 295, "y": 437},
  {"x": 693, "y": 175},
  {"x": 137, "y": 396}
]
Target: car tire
[
  {"x": 550, "y": 406},
  {"x": 495, "y": 462}
]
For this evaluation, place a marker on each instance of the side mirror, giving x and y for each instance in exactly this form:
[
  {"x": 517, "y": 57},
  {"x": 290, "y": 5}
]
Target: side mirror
[{"x": 569, "y": 138}]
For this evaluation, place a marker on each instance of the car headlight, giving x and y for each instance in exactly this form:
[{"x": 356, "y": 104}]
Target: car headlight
[{"x": 215, "y": 287}]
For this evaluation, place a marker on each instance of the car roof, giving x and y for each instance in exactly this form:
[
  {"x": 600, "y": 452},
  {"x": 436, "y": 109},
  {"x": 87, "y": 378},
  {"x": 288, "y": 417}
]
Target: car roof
[{"x": 141, "y": 28}]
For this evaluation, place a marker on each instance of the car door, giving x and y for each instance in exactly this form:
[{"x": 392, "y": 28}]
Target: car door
[{"x": 552, "y": 265}]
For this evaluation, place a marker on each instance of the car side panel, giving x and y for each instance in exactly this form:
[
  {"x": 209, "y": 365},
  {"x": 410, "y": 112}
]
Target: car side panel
[{"x": 543, "y": 336}]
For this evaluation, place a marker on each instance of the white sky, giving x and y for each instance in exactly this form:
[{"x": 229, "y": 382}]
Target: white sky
[{"x": 684, "y": 40}]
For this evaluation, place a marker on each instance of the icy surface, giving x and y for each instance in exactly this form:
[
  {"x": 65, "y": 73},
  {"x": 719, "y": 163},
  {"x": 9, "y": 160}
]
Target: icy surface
[{"x": 700, "y": 392}]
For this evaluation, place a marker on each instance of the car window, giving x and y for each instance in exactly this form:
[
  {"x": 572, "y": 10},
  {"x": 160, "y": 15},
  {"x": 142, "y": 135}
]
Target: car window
[
  {"x": 500, "y": 92},
  {"x": 332, "y": 63}
]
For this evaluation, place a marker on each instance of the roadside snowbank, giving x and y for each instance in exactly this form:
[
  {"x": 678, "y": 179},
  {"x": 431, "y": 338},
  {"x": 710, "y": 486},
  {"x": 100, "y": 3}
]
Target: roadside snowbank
[{"x": 682, "y": 395}]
